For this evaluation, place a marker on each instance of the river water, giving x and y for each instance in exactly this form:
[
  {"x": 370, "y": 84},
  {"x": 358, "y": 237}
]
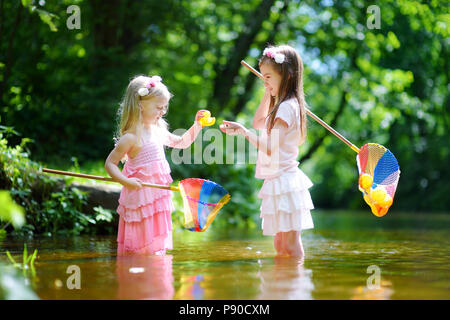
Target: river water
[{"x": 349, "y": 255}]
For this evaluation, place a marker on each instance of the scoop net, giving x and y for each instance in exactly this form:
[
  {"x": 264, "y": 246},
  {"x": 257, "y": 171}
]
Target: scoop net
[
  {"x": 202, "y": 200},
  {"x": 379, "y": 174}
]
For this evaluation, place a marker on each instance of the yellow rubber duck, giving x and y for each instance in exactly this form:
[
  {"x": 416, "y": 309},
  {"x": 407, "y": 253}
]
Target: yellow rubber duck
[{"x": 207, "y": 120}]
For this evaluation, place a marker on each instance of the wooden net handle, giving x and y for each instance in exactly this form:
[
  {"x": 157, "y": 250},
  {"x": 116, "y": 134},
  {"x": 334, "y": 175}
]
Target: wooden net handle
[{"x": 101, "y": 178}]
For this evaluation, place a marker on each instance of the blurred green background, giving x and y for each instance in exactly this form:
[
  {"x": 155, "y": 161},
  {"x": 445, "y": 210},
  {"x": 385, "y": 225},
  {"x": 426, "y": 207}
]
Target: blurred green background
[{"x": 60, "y": 87}]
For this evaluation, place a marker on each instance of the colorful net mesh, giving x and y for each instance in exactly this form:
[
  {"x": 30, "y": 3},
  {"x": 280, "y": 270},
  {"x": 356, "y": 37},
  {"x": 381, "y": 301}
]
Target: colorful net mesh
[
  {"x": 379, "y": 173},
  {"x": 202, "y": 201}
]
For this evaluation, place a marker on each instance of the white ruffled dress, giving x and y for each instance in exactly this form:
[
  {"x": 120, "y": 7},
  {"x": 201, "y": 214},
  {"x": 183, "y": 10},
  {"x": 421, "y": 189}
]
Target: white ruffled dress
[{"x": 286, "y": 202}]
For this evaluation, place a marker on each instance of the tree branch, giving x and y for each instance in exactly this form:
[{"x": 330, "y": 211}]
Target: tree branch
[
  {"x": 318, "y": 142},
  {"x": 250, "y": 81},
  {"x": 226, "y": 73}
]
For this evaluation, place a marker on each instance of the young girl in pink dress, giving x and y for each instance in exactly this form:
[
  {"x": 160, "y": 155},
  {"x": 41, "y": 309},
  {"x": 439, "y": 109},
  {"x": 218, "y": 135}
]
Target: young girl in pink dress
[
  {"x": 145, "y": 224},
  {"x": 281, "y": 117}
]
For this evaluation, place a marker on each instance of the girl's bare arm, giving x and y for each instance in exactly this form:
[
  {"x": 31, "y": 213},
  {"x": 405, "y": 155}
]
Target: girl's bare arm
[
  {"x": 259, "y": 119},
  {"x": 125, "y": 144},
  {"x": 184, "y": 141}
]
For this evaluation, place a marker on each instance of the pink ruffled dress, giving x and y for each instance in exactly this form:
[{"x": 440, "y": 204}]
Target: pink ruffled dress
[
  {"x": 286, "y": 202},
  {"x": 145, "y": 224}
]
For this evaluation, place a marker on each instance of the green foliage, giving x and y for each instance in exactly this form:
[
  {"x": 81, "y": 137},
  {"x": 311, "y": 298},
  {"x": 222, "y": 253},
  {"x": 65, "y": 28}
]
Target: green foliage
[
  {"x": 27, "y": 265},
  {"x": 62, "y": 213},
  {"x": 10, "y": 212},
  {"x": 104, "y": 222},
  {"x": 50, "y": 209},
  {"x": 103, "y": 214}
]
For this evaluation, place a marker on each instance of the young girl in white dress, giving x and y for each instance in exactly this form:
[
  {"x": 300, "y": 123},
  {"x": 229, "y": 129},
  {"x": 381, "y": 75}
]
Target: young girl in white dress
[{"x": 281, "y": 118}]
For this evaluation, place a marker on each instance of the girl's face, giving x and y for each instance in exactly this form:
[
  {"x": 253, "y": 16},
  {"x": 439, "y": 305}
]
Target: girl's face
[
  {"x": 272, "y": 79},
  {"x": 153, "y": 109}
]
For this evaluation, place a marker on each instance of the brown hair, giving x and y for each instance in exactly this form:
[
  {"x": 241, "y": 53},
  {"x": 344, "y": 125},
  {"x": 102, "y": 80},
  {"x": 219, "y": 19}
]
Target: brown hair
[{"x": 291, "y": 86}]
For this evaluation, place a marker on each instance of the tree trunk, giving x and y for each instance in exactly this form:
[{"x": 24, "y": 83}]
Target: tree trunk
[
  {"x": 250, "y": 81},
  {"x": 225, "y": 74}
]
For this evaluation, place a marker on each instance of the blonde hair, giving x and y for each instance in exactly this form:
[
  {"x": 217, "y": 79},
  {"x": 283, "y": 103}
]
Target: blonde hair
[
  {"x": 130, "y": 112},
  {"x": 291, "y": 86}
]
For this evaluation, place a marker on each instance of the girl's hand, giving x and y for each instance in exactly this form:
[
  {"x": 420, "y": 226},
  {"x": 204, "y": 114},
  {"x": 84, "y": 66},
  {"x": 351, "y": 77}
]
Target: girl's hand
[
  {"x": 199, "y": 115},
  {"x": 133, "y": 183},
  {"x": 232, "y": 128}
]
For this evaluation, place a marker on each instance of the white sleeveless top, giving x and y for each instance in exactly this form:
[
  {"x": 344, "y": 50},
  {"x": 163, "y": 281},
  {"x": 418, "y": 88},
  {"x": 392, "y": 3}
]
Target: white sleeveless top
[{"x": 283, "y": 158}]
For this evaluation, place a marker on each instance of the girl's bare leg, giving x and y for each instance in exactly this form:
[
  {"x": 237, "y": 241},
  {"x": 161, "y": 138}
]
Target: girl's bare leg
[
  {"x": 279, "y": 244},
  {"x": 294, "y": 245}
]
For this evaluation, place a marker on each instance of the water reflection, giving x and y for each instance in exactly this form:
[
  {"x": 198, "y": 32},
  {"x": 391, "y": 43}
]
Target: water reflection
[
  {"x": 192, "y": 288},
  {"x": 152, "y": 277},
  {"x": 383, "y": 292},
  {"x": 285, "y": 279},
  {"x": 145, "y": 277}
]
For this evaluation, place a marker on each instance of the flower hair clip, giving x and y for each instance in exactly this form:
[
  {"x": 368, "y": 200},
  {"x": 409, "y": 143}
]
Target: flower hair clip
[
  {"x": 278, "y": 57},
  {"x": 145, "y": 90}
]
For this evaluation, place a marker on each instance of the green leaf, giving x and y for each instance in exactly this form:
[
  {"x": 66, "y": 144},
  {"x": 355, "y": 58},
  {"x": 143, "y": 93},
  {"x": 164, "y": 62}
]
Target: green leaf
[
  {"x": 47, "y": 18},
  {"x": 11, "y": 259},
  {"x": 27, "y": 3},
  {"x": 103, "y": 214},
  {"x": 25, "y": 253},
  {"x": 33, "y": 257},
  {"x": 10, "y": 211}
]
